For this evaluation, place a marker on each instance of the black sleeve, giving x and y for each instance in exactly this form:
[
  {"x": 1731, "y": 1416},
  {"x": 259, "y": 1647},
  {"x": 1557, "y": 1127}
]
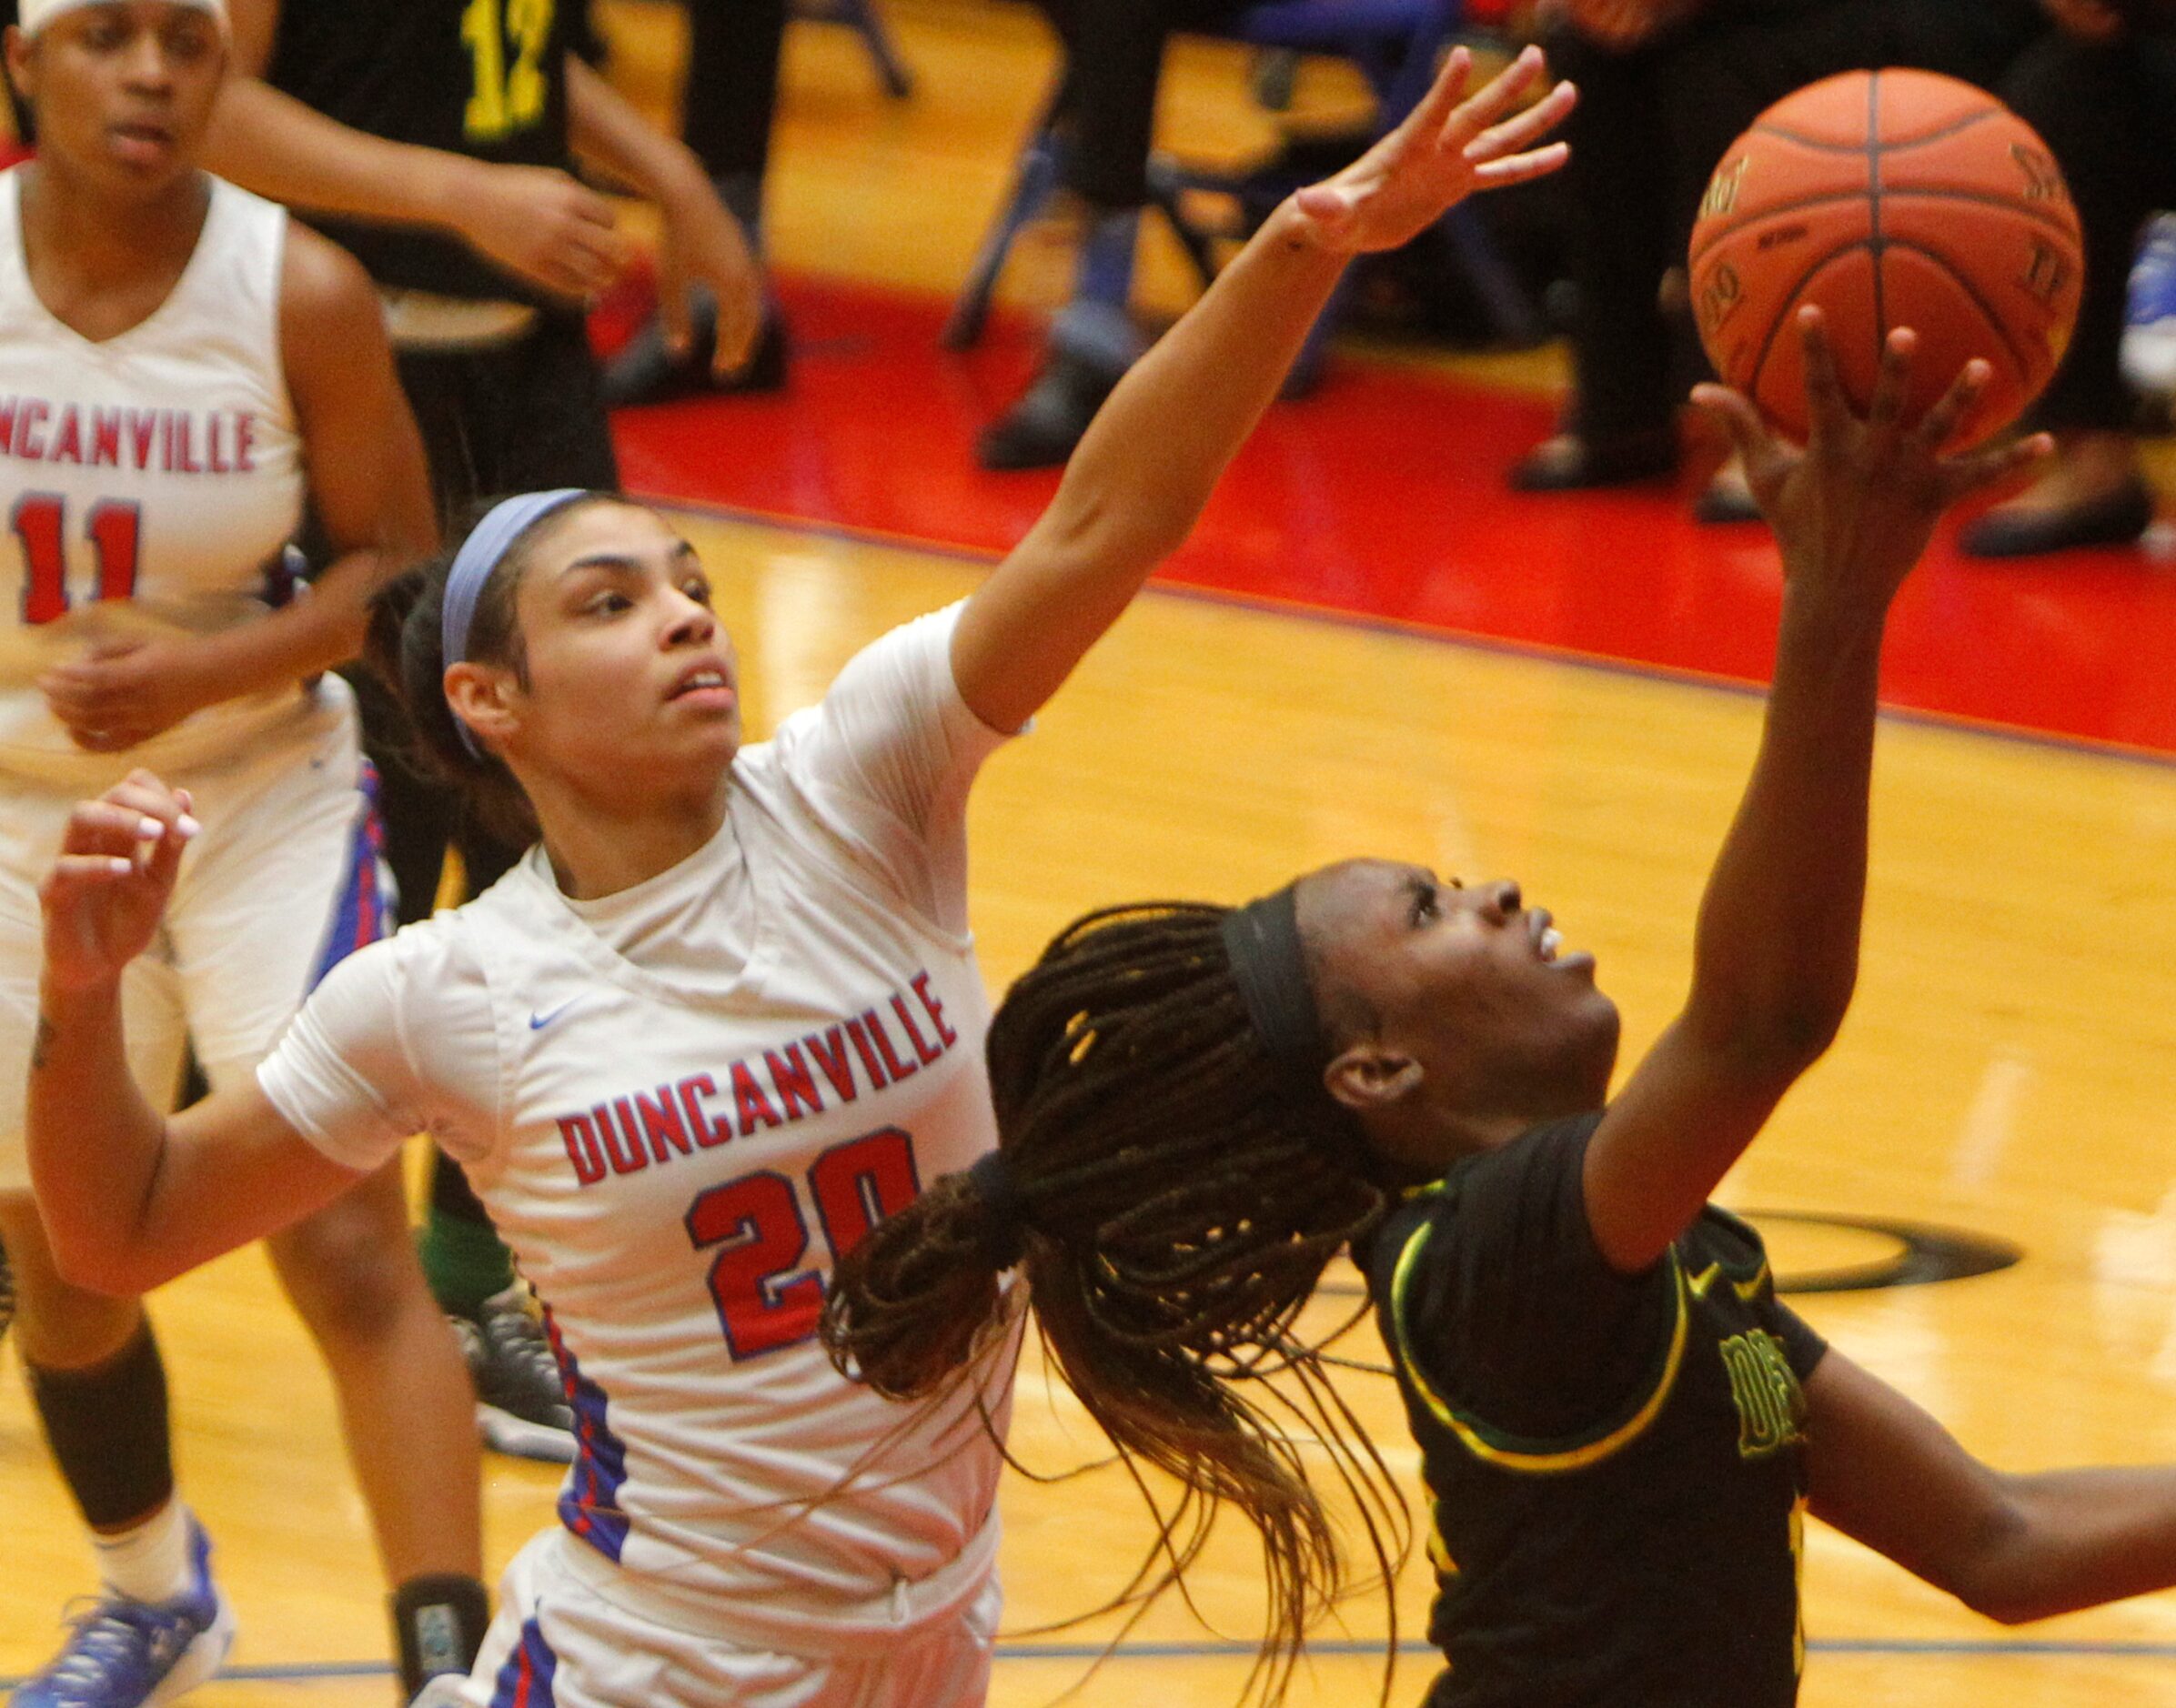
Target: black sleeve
[
  {"x": 1803, "y": 1347},
  {"x": 1508, "y": 1307}
]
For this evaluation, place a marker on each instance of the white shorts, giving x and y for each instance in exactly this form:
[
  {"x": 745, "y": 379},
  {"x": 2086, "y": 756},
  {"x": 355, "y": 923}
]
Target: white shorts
[
  {"x": 557, "y": 1643},
  {"x": 287, "y": 878}
]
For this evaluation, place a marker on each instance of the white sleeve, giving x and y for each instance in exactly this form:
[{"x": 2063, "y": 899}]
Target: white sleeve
[
  {"x": 398, "y": 1038},
  {"x": 887, "y": 759}
]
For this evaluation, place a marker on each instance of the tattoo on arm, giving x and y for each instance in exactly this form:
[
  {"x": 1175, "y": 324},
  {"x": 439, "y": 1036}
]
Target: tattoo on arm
[{"x": 40, "y": 1044}]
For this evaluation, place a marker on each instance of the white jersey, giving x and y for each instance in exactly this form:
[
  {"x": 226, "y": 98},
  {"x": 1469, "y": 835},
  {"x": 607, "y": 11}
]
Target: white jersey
[
  {"x": 678, "y": 1104},
  {"x": 146, "y": 480}
]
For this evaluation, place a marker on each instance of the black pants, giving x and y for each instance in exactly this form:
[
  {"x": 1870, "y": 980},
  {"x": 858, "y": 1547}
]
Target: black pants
[
  {"x": 1653, "y": 124},
  {"x": 2108, "y": 112},
  {"x": 731, "y": 88},
  {"x": 1114, "y": 58}
]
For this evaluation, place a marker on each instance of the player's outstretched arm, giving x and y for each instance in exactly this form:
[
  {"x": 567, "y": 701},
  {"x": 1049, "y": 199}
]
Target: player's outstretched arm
[
  {"x": 1148, "y": 462},
  {"x": 2012, "y": 1546},
  {"x": 1776, "y": 952},
  {"x": 128, "y": 1198}
]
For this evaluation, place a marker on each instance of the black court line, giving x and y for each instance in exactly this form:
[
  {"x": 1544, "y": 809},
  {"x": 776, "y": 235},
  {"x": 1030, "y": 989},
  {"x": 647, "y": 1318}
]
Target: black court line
[
  {"x": 2092, "y": 747},
  {"x": 1898, "y": 1648}
]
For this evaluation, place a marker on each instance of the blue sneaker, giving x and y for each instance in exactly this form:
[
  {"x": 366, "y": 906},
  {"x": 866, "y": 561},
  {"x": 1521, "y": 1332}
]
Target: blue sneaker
[
  {"x": 2150, "y": 325},
  {"x": 137, "y": 1654}
]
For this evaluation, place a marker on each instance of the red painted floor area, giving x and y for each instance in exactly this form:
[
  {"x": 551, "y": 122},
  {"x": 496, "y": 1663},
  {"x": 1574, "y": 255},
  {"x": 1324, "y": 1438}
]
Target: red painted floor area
[{"x": 1382, "y": 497}]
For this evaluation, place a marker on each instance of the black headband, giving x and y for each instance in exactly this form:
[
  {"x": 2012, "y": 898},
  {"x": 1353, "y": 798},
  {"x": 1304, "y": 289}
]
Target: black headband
[
  {"x": 1004, "y": 1211},
  {"x": 1263, "y": 940}
]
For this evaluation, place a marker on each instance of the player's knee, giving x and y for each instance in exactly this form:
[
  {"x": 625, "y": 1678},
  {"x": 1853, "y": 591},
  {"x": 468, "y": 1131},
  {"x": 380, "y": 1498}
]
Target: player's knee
[{"x": 352, "y": 1278}]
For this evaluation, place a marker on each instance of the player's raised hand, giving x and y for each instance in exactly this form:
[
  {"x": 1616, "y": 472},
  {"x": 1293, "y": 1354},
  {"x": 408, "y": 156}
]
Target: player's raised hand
[
  {"x": 103, "y": 897},
  {"x": 1448, "y": 146},
  {"x": 1854, "y": 509},
  {"x": 542, "y": 225}
]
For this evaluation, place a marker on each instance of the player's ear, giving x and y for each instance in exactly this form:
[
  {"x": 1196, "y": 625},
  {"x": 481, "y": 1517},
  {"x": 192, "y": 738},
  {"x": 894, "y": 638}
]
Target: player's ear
[
  {"x": 21, "y": 64},
  {"x": 481, "y": 695},
  {"x": 1370, "y": 1079}
]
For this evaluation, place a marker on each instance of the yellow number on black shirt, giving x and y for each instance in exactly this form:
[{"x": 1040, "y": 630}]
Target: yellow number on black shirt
[{"x": 504, "y": 101}]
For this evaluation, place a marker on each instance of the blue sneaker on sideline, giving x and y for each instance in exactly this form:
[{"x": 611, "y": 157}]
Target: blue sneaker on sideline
[
  {"x": 137, "y": 1654},
  {"x": 2149, "y": 359}
]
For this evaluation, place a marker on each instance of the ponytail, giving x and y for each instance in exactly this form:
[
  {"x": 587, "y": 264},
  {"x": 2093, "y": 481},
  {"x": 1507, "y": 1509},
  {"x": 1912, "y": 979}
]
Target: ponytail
[
  {"x": 406, "y": 645},
  {"x": 1173, "y": 1206}
]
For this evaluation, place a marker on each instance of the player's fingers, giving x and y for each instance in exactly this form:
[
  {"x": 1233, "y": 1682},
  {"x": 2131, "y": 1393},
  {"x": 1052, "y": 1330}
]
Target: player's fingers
[
  {"x": 586, "y": 272},
  {"x": 165, "y": 863},
  {"x": 1438, "y": 108},
  {"x": 154, "y": 802},
  {"x": 586, "y": 205},
  {"x": 1892, "y": 383},
  {"x": 673, "y": 319},
  {"x": 739, "y": 321},
  {"x": 602, "y": 245},
  {"x": 1825, "y": 406},
  {"x": 74, "y": 874},
  {"x": 1755, "y": 442},
  {"x": 100, "y": 827},
  {"x": 1980, "y": 469},
  {"x": 1522, "y": 129},
  {"x": 1496, "y": 98},
  {"x": 1939, "y": 423},
  {"x": 573, "y": 267},
  {"x": 1517, "y": 168}
]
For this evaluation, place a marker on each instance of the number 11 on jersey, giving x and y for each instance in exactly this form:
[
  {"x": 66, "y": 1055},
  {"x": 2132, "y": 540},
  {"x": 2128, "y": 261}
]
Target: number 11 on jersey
[{"x": 114, "y": 529}]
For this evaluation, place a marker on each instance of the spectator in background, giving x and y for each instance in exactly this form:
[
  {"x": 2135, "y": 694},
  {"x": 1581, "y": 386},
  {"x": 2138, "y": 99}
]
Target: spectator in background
[
  {"x": 1107, "y": 107},
  {"x": 728, "y": 99},
  {"x": 2100, "y": 89},
  {"x": 1666, "y": 86}
]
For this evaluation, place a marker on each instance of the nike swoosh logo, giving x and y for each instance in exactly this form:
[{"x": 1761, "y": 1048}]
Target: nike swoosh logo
[{"x": 537, "y": 1022}]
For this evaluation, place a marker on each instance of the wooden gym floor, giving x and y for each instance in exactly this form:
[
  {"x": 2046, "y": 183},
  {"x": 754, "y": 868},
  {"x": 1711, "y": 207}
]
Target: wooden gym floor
[{"x": 2004, "y": 1073}]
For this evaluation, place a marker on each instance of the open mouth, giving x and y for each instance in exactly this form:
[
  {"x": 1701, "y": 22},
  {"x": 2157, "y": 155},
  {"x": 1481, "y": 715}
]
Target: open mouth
[
  {"x": 710, "y": 683},
  {"x": 1548, "y": 944}
]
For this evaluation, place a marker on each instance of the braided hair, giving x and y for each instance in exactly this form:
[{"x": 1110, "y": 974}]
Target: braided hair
[{"x": 1174, "y": 1203}]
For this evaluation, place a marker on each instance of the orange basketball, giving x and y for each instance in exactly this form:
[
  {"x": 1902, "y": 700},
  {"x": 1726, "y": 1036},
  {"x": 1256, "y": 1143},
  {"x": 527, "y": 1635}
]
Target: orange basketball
[{"x": 1891, "y": 199}]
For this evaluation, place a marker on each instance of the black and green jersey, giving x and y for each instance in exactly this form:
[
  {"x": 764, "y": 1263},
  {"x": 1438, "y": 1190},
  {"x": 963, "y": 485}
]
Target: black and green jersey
[
  {"x": 1616, "y": 1464},
  {"x": 485, "y": 78}
]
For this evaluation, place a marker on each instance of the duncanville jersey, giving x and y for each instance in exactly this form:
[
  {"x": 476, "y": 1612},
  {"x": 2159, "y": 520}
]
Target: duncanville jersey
[
  {"x": 679, "y": 1105},
  {"x": 1616, "y": 1464},
  {"x": 485, "y": 78},
  {"x": 146, "y": 481}
]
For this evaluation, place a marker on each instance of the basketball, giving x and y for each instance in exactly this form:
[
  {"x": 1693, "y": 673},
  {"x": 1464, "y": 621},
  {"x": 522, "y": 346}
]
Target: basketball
[{"x": 1889, "y": 198}]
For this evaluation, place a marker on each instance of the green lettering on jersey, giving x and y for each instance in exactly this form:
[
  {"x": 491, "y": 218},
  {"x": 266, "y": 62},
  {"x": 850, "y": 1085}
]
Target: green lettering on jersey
[{"x": 1771, "y": 1408}]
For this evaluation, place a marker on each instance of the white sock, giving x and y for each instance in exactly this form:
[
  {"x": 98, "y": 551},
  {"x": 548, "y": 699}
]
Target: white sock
[{"x": 150, "y": 1562}]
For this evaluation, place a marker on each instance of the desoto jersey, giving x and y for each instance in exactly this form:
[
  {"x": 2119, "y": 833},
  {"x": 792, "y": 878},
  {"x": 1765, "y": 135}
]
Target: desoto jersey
[
  {"x": 1616, "y": 1464},
  {"x": 679, "y": 1105},
  {"x": 485, "y": 78},
  {"x": 146, "y": 480}
]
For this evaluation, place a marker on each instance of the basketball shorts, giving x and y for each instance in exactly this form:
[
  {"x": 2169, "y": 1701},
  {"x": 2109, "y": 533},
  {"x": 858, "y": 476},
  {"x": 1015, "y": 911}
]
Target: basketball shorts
[
  {"x": 284, "y": 880},
  {"x": 556, "y": 1642}
]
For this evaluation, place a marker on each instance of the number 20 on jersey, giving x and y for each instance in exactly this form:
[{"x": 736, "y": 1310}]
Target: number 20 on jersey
[{"x": 765, "y": 1299}]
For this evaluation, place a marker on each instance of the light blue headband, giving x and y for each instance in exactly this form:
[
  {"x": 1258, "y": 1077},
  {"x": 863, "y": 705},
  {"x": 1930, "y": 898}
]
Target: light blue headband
[{"x": 502, "y": 525}]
